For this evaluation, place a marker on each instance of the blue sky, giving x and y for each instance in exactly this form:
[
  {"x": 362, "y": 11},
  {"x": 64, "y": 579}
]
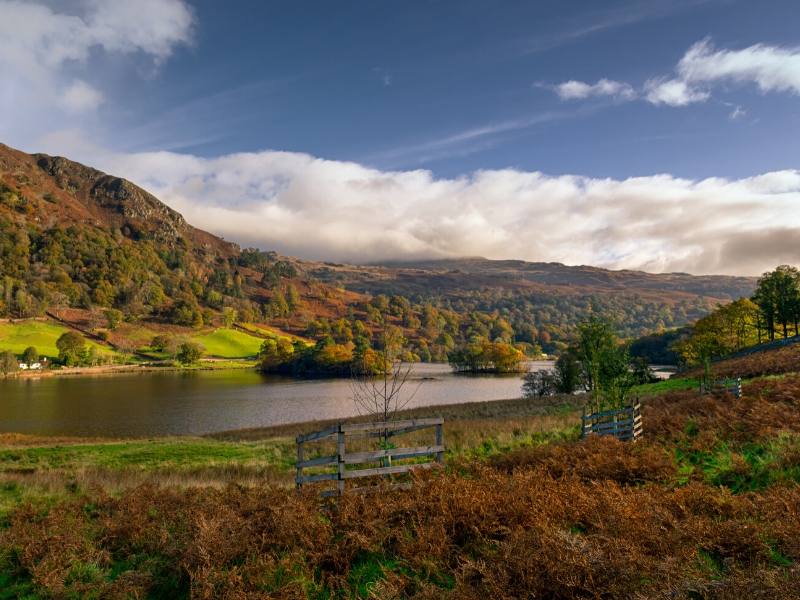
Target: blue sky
[
  {"x": 383, "y": 82},
  {"x": 452, "y": 104}
]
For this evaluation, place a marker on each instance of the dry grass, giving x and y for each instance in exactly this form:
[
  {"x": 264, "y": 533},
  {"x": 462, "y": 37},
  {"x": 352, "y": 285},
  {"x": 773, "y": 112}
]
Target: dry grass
[
  {"x": 487, "y": 535},
  {"x": 759, "y": 364}
]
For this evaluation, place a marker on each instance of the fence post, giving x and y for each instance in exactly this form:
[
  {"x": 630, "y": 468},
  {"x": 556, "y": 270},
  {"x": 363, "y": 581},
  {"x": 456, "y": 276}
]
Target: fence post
[
  {"x": 340, "y": 452},
  {"x": 583, "y": 422},
  {"x": 300, "y": 458},
  {"x": 439, "y": 442}
]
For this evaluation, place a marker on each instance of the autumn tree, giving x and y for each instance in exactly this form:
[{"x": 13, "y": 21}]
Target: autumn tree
[{"x": 8, "y": 363}]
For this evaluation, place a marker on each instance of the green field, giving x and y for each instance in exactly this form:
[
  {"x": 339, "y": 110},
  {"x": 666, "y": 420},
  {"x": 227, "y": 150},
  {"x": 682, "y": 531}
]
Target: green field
[
  {"x": 165, "y": 453},
  {"x": 42, "y": 335},
  {"x": 229, "y": 343}
]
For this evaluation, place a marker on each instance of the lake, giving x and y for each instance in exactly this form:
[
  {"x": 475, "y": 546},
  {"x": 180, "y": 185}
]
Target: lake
[{"x": 198, "y": 402}]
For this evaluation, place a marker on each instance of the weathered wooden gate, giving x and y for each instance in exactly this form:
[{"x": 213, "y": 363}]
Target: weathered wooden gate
[{"x": 385, "y": 457}]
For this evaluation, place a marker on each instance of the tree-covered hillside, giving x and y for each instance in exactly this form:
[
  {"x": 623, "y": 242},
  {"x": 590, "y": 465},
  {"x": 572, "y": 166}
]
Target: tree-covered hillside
[{"x": 75, "y": 241}]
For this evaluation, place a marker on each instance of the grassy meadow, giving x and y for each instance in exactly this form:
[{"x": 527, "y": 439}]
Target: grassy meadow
[
  {"x": 235, "y": 348},
  {"x": 42, "y": 335},
  {"x": 229, "y": 343},
  {"x": 706, "y": 505}
]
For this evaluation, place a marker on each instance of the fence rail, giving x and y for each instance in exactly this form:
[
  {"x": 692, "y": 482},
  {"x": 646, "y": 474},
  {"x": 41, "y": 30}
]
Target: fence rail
[
  {"x": 341, "y": 432},
  {"x": 731, "y": 386},
  {"x": 623, "y": 423}
]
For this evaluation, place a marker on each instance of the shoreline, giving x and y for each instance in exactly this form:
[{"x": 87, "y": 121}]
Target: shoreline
[
  {"x": 226, "y": 364},
  {"x": 206, "y": 364}
]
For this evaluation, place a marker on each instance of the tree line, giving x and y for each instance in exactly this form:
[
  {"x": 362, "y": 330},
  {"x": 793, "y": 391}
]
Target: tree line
[
  {"x": 596, "y": 361},
  {"x": 772, "y": 312}
]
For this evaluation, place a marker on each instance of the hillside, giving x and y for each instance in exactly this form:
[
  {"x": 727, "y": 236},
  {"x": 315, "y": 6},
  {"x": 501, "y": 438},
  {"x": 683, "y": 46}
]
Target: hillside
[
  {"x": 78, "y": 242},
  {"x": 543, "y": 300}
]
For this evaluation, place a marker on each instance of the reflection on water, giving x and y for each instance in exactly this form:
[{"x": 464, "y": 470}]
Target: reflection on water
[{"x": 197, "y": 402}]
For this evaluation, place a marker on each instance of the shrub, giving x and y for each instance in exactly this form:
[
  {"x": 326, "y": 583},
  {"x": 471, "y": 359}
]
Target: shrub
[{"x": 190, "y": 352}]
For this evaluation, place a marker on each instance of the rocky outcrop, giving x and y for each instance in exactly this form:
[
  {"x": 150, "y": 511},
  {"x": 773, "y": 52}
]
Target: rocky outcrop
[{"x": 116, "y": 202}]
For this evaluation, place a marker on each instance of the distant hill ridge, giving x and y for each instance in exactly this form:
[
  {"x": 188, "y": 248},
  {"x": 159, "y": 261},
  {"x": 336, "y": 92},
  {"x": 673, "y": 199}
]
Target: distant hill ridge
[{"x": 476, "y": 272}]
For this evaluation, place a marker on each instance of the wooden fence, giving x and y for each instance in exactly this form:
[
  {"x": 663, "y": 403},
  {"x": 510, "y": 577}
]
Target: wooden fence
[
  {"x": 732, "y": 386},
  {"x": 342, "y": 459},
  {"x": 622, "y": 423}
]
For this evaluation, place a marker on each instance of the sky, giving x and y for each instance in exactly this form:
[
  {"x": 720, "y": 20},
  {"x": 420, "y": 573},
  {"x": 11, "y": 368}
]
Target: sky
[{"x": 659, "y": 135}]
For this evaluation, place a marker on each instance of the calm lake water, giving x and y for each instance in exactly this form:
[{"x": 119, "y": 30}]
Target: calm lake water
[{"x": 174, "y": 403}]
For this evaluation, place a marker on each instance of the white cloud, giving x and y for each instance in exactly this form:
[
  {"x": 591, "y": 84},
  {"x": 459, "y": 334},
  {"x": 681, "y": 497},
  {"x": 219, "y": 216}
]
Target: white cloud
[
  {"x": 771, "y": 68},
  {"x": 578, "y": 90},
  {"x": 673, "y": 92},
  {"x": 42, "y": 48},
  {"x": 81, "y": 97},
  {"x": 737, "y": 113},
  {"x": 151, "y": 26},
  {"x": 344, "y": 211},
  {"x": 35, "y": 37}
]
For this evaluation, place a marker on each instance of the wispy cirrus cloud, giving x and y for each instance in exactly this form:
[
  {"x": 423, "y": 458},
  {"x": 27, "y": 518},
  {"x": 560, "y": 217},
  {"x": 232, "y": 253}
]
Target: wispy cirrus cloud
[
  {"x": 603, "y": 19},
  {"x": 464, "y": 142}
]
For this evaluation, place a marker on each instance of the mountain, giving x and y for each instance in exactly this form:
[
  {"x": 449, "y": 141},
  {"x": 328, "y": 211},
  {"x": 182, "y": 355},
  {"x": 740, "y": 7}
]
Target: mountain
[
  {"x": 80, "y": 241},
  {"x": 74, "y": 237}
]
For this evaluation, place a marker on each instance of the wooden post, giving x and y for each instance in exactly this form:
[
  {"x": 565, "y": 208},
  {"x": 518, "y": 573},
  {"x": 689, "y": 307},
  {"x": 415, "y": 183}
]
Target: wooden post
[
  {"x": 583, "y": 422},
  {"x": 300, "y": 459},
  {"x": 439, "y": 442},
  {"x": 340, "y": 451}
]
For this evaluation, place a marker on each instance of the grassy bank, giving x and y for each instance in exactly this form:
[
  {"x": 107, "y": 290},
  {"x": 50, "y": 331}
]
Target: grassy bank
[{"x": 706, "y": 505}]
